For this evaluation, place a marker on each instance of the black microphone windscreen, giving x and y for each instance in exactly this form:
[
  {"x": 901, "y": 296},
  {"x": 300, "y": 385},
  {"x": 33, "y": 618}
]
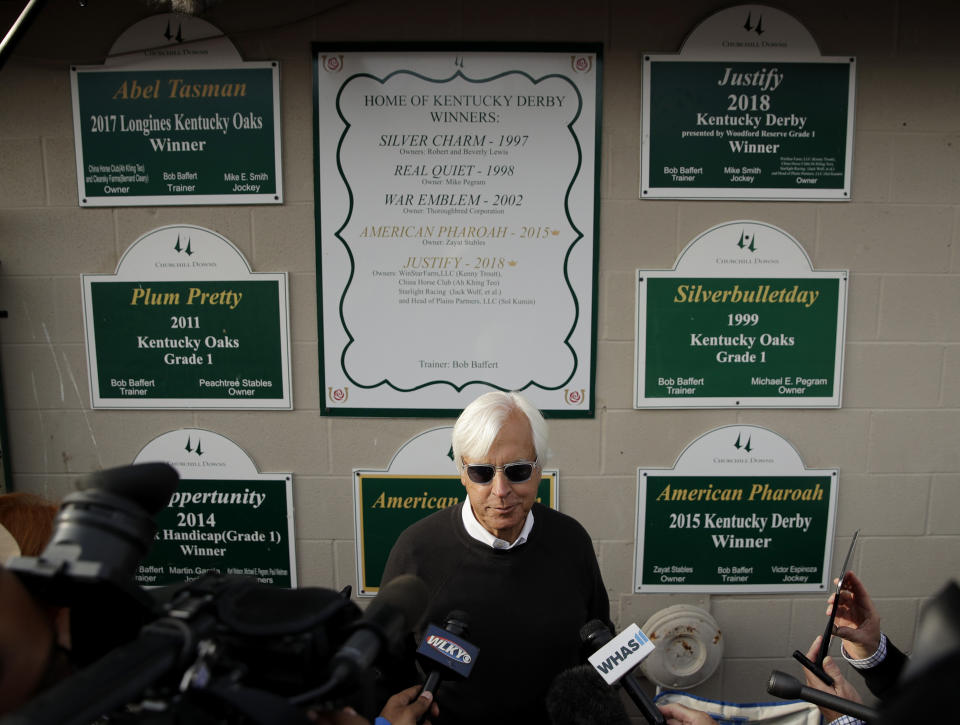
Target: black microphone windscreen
[
  {"x": 783, "y": 685},
  {"x": 595, "y": 634},
  {"x": 458, "y": 623},
  {"x": 579, "y": 696},
  {"x": 406, "y": 594},
  {"x": 148, "y": 484}
]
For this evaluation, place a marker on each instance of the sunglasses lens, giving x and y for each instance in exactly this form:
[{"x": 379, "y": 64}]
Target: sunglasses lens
[
  {"x": 479, "y": 473},
  {"x": 518, "y": 472}
]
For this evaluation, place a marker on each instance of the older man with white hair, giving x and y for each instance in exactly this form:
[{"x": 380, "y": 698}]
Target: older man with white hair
[{"x": 526, "y": 575}]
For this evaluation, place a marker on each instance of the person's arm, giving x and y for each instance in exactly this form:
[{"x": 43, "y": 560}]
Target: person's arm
[
  {"x": 406, "y": 708},
  {"x": 841, "y": 688},
  {"x": 864, "y": 645},
  {"x": 677, "y": 714},
  {"x": 882, "y": 671},
  {"x": 857, "y": 621}
]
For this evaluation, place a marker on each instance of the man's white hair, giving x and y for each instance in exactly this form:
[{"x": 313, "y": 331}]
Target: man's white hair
[{"x": 481, "y": 421}]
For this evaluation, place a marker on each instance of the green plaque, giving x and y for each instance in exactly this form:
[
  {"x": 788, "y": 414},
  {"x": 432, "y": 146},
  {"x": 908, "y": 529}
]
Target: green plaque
[
  {"x": 703, "y": 530},
  {"x": 231, "y": 527},
  {"x": 737, "y": 513},
  {"x": 165, "y": 339},
  {"x": 188, "y": 124},
  {"x": 748, "y": 109},
  {"x": 224, "y": 516},
  {"x": 173, "y": 329},
  {"x": 724, "y": 129},
  {"x": 718, "y": 332},
  {"x": 740, "y": 338}
]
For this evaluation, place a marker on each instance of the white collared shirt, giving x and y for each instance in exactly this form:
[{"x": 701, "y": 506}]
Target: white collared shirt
[{"x": 476, "y": 530}]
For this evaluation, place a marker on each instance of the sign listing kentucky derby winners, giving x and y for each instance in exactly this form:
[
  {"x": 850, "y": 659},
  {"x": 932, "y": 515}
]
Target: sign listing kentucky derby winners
[{"x": 457, "y": 189}]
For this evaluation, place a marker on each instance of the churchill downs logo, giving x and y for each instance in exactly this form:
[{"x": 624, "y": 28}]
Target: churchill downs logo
[
  {"x": 339, "y": 395},
  {"x": 449, "y": 649},
  {"x": 745, "y": 446},
  {"x": 574, "y": 397},
  {"x": 757, "y": 28},
  {"x": 193, "y": 449},
  {"x": 185, "y": 249},
  {"x": 747, "y": 242}
]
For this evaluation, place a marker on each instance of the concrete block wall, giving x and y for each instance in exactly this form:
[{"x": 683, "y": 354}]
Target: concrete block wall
[{"x": 895, "y": 439}]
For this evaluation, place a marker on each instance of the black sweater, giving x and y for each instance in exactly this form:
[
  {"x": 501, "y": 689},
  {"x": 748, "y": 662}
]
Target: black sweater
[{"x": 525, "y": 605}]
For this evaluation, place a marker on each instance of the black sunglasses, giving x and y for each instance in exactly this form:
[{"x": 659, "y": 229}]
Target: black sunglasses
[{"x": 483, "y": 473}]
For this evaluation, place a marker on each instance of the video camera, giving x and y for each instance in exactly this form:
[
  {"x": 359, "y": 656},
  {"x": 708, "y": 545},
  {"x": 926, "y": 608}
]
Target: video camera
[{"x": 220, "y": 649}]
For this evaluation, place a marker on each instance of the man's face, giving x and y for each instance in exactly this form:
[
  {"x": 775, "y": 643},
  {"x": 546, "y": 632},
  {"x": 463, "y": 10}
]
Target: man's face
[{"x": 500, "y": 506}]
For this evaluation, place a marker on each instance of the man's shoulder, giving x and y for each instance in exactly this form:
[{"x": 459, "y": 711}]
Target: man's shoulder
[
  {"x": 557, "y": 523},
  {"x": 425, "y": 545},
  {"x": 426, "y": 529}
]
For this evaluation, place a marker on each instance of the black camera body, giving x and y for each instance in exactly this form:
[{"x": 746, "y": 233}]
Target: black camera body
[{"x": 220, "y": 649}]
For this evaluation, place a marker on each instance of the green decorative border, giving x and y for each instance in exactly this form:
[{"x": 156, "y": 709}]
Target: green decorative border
[{"x": 316, "y": 48}]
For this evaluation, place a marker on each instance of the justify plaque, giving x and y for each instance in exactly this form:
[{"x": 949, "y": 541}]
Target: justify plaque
[
  {"x": 184, "y": 323},
  {"x": 456, "y": 225},
  {"x": 741, "y": 322},
  {"x": 738, "y": 513},
  {"x": 748, "y": 110}
]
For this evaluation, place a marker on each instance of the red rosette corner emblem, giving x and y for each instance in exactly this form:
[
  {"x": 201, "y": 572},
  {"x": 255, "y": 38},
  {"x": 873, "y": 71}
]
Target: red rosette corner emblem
[
  {"x": 581, "y": 63},
  {"x": 332, "y": 63}
]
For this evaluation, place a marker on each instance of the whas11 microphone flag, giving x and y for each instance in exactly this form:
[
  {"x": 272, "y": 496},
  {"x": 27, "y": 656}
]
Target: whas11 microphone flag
[{"x": 621, "y": 654}]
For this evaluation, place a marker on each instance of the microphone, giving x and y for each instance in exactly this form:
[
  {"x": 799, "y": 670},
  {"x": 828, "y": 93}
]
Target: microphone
[
  {"x": 579, "y": 696},
  {"x": 616, "y": 657},
  {"x": 789, "y": 688},
  {"x": 396, "y": 610},
  {"x": 447, "y": 648}
]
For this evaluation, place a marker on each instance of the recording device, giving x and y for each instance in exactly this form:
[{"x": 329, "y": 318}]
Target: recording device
[
  {"x": 221, "y": 649},
  {"x": 816, "y": 665},
  {"x": 100, "y": 534},
  {"x": 788, "y": 687},
  {"x": 616, "y": 657},
  {"x": 396, "y": 610},
  {"x": 579, "y": 696},
  {"x": 444, "y": 651}
]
